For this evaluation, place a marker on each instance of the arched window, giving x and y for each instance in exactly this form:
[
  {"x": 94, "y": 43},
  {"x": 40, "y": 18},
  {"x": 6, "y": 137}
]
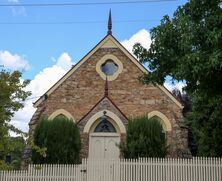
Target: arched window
[
  {"x": 162, "y": 124},
  {"x": 61, "y": 113},
  {"x": 105, "y": 126},
  {"x": 163, "y": 120},
  {"x": 61, "y": 116},
  {"x": 95, "y": 120}
]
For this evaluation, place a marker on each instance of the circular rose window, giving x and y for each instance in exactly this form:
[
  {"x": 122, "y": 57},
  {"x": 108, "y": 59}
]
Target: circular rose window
[{"x": 109, "y": 67}]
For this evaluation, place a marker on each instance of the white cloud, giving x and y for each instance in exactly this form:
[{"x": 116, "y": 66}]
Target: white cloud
[
  {"x": 50, "y": 75},
  {"x": 38, "y": 86},
  {"x": 45, "y": 79},
  {"x": 19, "y": 10},
  {"x": 178, "y": 85},
  {"x": 142, "y": 37},
  {"x": 64, "y": 61},
  {"x": 14, "y": 62},
  {"x": 22, "y": 117}
]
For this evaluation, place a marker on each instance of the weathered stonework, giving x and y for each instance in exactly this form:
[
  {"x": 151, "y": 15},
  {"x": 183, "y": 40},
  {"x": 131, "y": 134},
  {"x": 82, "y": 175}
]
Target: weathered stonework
[
  {"x": 104, "y": 103},
  {"x": 81, "y": 91},
  {"x": 84, "y": 145}
]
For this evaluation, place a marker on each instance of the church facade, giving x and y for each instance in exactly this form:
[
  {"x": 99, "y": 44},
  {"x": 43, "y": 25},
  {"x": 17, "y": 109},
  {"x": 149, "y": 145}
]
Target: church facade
[{"x": 101, "y": 92}]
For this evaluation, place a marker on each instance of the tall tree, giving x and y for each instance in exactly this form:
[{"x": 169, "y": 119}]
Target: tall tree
[
  {"x": 18, "y": 144},
  {"x": 189, "y": 47},
  {"x": 12, "y": 94},
  {"x": 184, "y": 99},
  {"x": 187, "y": 107}
]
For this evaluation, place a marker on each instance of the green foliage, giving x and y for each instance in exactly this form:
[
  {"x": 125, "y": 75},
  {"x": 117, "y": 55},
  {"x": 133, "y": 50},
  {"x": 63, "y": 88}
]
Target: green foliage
[
  {"x": 61, "y": 137},
  {"x": 189, "y": 47},
  {"x": 16, "y": 154},
  {"x": 5, "y": 166},
  {"x": 206, "y": 123},
  {"x": 11, "y": 95},
  {"x": 187, "y": 103},
  {"x": 184, "y": 99},
  {"x": 145, "y": 138}
]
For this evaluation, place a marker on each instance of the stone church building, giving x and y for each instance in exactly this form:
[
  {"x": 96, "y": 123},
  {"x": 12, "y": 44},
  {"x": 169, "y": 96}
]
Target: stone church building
[{"x": 101, "y": 92}]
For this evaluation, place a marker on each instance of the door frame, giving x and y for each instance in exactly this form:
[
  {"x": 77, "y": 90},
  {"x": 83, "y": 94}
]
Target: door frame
[
  {"x": 93, "y": 120},
  {"x": 100, "y": 134}
]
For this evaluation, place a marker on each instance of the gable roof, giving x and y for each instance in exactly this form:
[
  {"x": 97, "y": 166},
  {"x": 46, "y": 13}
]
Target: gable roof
[{"x": 107, "y": 42}]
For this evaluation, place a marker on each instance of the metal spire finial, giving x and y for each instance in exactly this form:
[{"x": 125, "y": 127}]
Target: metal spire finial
[{"x": 110, "y": 23}]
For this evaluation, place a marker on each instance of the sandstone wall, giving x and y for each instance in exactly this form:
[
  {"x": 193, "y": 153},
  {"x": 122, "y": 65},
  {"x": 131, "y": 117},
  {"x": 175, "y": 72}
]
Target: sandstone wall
[{"x": 83, "y": 89}]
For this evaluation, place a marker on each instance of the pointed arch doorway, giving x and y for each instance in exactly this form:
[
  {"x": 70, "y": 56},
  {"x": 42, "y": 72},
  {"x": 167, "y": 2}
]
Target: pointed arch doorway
[{"x": 104, "y": 130}]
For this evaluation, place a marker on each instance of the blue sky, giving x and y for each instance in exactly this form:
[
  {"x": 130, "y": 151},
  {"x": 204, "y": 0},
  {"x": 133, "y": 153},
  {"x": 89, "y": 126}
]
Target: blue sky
[
  {"x": 44, "y": 42},
  {"x": 38, "y": 43}
]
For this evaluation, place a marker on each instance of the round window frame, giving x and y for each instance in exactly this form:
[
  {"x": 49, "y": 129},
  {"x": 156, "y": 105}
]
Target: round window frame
[
  {"x": 109, "y": 61},
  {"x": 103, "y": 60}
]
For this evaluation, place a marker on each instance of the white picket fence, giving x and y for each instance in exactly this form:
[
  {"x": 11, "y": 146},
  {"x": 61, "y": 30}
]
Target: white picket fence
[{"x": 146, "y": 169}]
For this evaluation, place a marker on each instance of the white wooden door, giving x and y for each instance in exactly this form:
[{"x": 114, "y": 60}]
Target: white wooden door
[
  {"x": 104, "y": 146},
  {"x": 102, "y": 150}
]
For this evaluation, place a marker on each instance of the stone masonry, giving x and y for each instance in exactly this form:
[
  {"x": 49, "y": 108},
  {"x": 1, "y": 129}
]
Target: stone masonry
[{"x": 80, "y": 92}]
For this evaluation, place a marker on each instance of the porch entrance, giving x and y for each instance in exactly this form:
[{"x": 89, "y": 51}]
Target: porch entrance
[{"x": 104, "y": 139}]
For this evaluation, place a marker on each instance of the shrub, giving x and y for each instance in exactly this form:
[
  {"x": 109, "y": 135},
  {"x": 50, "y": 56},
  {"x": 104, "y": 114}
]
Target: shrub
[
  {"x": 145, "y": 138},
  {"x": 61, "y": 137}
]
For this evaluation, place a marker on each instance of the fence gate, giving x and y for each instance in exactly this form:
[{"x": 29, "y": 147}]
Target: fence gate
[{"x": 103, "y": 170}]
